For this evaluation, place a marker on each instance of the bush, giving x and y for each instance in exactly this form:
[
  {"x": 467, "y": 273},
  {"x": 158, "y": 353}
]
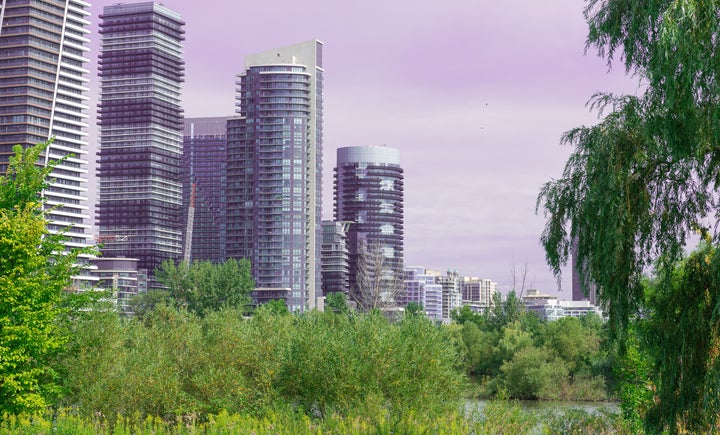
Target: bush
[
  {"x": 534, "y": 373},
  {"x": 364, "y": 363},
  {"x": 176, "y": 365}
]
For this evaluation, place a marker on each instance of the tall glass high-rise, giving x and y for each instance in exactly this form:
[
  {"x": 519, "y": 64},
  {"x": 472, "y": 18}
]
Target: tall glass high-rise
[
  {"x": 274, "y": 173},
  {"x": 141, "y": 70}
]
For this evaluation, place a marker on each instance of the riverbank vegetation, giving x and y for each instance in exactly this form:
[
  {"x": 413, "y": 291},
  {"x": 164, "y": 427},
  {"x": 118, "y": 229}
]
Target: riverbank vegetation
[
  {"x": 172, "y": 363},
  {"x": 173, "y": 371},
  {"x": 496, "y": 418},
  {"x": 511, "y": 352},
  {"x": 195, "y": 356}
]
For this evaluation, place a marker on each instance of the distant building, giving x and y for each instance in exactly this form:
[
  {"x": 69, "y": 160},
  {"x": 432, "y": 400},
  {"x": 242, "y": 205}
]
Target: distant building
[
  {"x": 335, "y": 258},
  {"x": 275, "y": 172},
  {"x": 369, "y": 193},
  {"x": 141, "y": 69},
  {"x": 477, "y": 292},
  {"x": 204, "y": 171},
  {"x": 421, "y": 288},
  {"x": 414, "y": 287},
  {"x": 440, "y": 294},
  {"x": 451, "y": 284},
  {"x": 549, "y": 308},
  {"x": 120, "y": 276},
  {"x": 433, "y": 295},
  {"x": 43, "y": 95}
]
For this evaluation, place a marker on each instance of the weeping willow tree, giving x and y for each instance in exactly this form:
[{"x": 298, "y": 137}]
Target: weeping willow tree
[{"x": 640, "y": 182}]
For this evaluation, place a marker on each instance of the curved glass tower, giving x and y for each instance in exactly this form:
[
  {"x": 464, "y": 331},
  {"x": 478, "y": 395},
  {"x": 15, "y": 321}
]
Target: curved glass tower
[{"x": 369, "y": 194}]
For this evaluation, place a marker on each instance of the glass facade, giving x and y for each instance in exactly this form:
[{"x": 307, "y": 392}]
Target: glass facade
[
  {"x": 43, "y": 95},
  {"x": 204, "y": 170},
  {"x": 140, "y": 118},
  {"x": 274, "y": 172}
]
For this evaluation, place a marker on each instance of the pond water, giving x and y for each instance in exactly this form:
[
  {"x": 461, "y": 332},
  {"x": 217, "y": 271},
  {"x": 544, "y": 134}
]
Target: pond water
[{"x": 542, "y": 406}]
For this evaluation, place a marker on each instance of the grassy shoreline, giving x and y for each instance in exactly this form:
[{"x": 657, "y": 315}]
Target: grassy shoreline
[{"x": 497, "y": 417}]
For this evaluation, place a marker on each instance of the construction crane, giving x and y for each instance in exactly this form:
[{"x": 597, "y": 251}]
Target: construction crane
[{"x": 189, "y": 229}]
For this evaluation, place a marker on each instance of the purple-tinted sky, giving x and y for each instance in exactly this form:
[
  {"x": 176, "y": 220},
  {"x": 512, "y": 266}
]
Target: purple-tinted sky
[{"x": 474, "y": 93}]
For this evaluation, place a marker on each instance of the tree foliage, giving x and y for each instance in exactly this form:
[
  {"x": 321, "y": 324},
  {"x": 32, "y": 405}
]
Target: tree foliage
[
  {"x": 275, "y": 307},
  {"x": 34, "y": 270},
  {"x": 572, "y": 342},
  {"x": 511, "y": 351},
  {"x": 684, "y": 316},
  {"x": 24, "y": 180},
  {"x": 534, "y": 373},
  {"x": 337, "y": 303},
  {"x": 175, "y": 364},
  {"x": 203, "y": 287},
  {"x": 644, "y": 178},
  {"x": 505, "y": 312},
  {"x": 414, "y": 309},
  {"x": 633, "y": 370}
]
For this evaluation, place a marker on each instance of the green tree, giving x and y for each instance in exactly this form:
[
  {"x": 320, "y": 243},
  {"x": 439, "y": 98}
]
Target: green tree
[
  {"x": 465, "y": 314},
  {"x": 482, "y": 355},
  {"x": 683, "y": 316},
  {"x": 175, "y": 276},
  {"x": 503, "y": 313},
  {"x": 534, "y": 373},
  {"x": 144, "y": 303},
  {"x": 633, "y": 370},
  {"x": 228, "y": 285},
  {"x": 512, "y": 339},
  {"x": 337, "y": 303},
  {"x": 202, "y": 286},
  {"x": 643, "y": 179},
  {"x": 34, "y": 269},
  {"x": 573, "y": 343},
  {"x": 414, "y": 309},
  {"x": 275, "y": 307}
]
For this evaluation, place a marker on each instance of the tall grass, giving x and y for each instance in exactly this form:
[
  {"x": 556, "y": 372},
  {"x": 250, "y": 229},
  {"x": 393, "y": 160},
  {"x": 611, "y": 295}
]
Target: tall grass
[{"x": 499, "y": 417}]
